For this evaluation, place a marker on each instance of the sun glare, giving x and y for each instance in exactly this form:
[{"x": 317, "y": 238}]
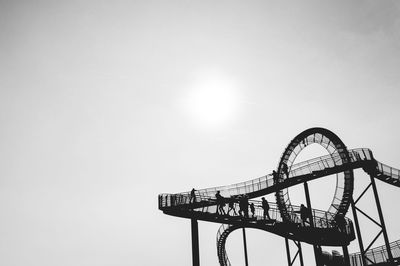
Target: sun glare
[{"x": 212, "y": 101}]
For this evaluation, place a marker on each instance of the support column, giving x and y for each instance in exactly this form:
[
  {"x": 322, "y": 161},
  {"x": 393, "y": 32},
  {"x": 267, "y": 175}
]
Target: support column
[
  {"x": 378, "y": 206},
  {"x": 300, "y": 254},
  {"x": 245, "y": 247},
  {"x": 288, "y": 252},
  {"x": 317, "y": 249},
  {"x": 357, "y": 225},
  {"x": 195, "y": 243},
  {"x": 346, "y": 256}
]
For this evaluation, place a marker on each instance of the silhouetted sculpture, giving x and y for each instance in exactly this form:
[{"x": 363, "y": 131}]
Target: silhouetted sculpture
[
  {"x": 265, "y": 207},
  {"x": 220, "y": 203}
]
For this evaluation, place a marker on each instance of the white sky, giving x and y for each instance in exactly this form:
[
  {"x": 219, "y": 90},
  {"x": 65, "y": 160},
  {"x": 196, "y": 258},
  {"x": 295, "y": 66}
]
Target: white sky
[{"x": 95, "y": 120}]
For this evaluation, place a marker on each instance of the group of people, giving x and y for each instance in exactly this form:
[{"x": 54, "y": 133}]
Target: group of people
[
  {"x": 244, "y": 206},
  {"x": 306, "y": 217},
  {"x": 285, "y": 171}
]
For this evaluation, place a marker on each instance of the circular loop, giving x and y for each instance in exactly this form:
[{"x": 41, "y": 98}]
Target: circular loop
[{"x": 334, "y": 145}]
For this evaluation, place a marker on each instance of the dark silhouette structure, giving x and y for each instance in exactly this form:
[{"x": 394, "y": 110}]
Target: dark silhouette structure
[{"x": 323, "y": 228}]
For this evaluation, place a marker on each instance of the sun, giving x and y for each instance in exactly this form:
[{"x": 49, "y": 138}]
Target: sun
[{"x": 212, "y": 100}]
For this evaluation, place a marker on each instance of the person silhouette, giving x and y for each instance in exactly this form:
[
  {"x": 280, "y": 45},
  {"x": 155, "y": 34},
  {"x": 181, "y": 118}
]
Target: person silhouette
[
  {"x": 241, "y": 208},
  {"x": 252, "y": 209},
  {"x": 275, "y": 176},
  {"x": 220, "y": 203},
  {"x": 244, "y": 206},
  {"x": 192, "y": 196},
  {"x": 303, "y": 214},
  {"x": 232, "y": 205},
  {"x": 340, "y": 222},
  {"x": 265, "y": 207}
]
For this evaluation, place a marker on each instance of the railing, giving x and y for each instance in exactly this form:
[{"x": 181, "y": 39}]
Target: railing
[
  {"x": 320, "y": 219},
  {"x": 388, "y": 171},
  {"x": 303, "y": 168},
  {"x": 328, "y": 161},
  {"x": 376, "y": 255}
]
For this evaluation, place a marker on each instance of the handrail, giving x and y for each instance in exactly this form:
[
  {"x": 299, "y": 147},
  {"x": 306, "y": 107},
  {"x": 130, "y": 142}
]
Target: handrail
[
  {"x": 388, "y": 170},
  {"x": 205, "y": 203},
  {"x": 321, "y": 219},
  {"x": 302, "y": 168},
  {"x": 376, "y": 255}
]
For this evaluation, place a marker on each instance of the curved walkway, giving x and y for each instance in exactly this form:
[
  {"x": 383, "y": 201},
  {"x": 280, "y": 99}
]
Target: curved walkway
[{"x": 204, "y": 205}]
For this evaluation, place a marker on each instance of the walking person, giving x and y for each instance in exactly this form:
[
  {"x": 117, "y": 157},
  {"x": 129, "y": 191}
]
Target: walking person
[
  {"x": 220, "y": 203},
  {"x": 241, "y": 205},
  {"x": 265, "y": 207},
  {"x": 340, "y": 222},
  {"x": 275, "y": 176},
  {"x": 192, "y": 196},
  {"x": 252, "y": 209},
  {"x": 232, "y": 205},
  {"x": 304, "y": 213},
  {"x": 246, "y": 206}
]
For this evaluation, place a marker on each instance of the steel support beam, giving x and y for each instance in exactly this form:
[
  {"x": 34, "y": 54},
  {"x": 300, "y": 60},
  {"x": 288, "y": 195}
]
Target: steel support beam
[
  {"x": 299, "y": 253},
  {"x": 245, "y": 247},
  {"x": 378, "y": 206},
  {"x": 317, "y": 249},
  {"x": 346, "y": 256},
  {"x": 358, "y": 231},
  {"x": 195, "y": 243},
  {"x": 288, "y": 252}
]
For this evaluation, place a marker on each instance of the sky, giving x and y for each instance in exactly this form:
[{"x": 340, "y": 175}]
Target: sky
[{"x": 106, "y": 104}]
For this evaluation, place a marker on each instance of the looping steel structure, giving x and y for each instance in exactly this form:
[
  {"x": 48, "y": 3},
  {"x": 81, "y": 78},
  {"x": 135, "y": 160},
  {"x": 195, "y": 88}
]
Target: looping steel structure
[
  {"x": 334, "y": 146},
  {"x": 324, "y": 227}
]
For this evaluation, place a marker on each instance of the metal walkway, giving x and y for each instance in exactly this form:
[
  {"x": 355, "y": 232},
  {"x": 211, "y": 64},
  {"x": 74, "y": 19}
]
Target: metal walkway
[{"x": 285, "y": 220}]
